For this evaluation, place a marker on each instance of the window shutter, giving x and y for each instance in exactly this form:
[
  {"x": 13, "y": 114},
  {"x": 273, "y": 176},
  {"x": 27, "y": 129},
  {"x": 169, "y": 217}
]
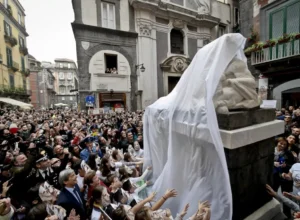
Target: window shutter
[
  {"x": 12, "y": 80},
  {"x": 5, "y": 28},
  {"x": 9, "y": 57},
  {"x": 111, "y": 14},
  {"x": 292, "y": 18},
  {"x": 10, "y": 32},
  {"x": 23, "y": 63},
  {"x": 104, "y": 15},
  {"x": 277, "y": 24}
]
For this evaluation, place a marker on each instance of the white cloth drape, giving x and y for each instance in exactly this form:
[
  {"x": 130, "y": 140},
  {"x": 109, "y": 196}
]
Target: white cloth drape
[{"x": 182, "y": 139}]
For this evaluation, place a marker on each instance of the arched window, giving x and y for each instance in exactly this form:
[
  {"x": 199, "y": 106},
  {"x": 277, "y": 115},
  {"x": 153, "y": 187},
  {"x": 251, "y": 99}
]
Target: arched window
[
  {"x": 177, "y": 42},
  {"x": 62, "y": 89}
]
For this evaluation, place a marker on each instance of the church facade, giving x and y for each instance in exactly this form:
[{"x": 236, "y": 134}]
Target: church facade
[{"x": 132, "y": 52}]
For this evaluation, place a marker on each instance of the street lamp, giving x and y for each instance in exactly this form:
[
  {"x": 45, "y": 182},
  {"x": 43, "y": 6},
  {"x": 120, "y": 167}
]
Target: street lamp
[{"x": 142, "y": 68}]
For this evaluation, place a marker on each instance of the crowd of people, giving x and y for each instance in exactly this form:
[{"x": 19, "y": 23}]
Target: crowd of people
[
  {"x": 286, "y": 173},
  {"x": 64, "y": 164},
  {"x": 111, "y": 70}
]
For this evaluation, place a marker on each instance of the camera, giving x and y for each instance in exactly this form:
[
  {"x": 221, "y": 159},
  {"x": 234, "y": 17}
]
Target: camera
[{"x": 41, "y": 140}]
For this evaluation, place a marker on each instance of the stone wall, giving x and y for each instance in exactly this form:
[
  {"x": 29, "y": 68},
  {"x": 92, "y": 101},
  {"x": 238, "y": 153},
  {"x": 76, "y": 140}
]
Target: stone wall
[
  {"x": 91, "y": 40},
  {"x": 250, "y": 169}
]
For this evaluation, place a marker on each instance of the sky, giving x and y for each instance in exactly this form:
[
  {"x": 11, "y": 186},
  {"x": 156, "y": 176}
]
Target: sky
[{"x": 48, "y": 23}]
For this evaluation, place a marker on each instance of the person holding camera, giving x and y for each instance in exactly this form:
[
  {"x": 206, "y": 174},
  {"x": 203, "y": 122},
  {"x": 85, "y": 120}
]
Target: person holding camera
[{"x": 90, "y": 147}]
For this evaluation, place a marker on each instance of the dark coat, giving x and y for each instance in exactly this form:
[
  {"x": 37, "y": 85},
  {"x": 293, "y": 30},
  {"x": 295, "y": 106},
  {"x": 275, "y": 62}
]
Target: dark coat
[{"x": 69, "y": 202}]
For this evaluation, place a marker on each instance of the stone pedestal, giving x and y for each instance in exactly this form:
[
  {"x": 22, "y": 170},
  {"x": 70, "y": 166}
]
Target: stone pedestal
[{"x": 248, "y": 138}]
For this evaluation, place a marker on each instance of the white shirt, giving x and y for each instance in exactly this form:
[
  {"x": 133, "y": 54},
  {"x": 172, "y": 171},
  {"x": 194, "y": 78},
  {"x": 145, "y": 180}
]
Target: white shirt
[
  {"x": 80, "y": 181},
  {"x": 95, "y": 215},
  {"x": 42, "y": 172}
]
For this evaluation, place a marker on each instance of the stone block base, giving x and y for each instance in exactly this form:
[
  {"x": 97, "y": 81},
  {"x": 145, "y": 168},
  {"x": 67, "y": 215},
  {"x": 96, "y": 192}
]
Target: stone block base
[
  {"x": 249, "y": 154},
  {"x": 240, "y": 119},
  {"x": 270, "y": 211}
]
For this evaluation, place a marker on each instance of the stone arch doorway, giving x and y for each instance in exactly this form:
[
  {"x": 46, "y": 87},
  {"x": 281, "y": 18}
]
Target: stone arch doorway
[
  {"x": 287, "y": 93},
  {"x": 173, "y": 67}
]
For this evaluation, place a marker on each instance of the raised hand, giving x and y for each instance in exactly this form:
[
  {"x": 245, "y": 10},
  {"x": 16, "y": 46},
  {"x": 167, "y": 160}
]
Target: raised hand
[
  {"x": 270, "y": 190},
  {"x": 73, "y": 215},
  {"x": 184, "y": 211},
  {"x": 170, "y": 193}
]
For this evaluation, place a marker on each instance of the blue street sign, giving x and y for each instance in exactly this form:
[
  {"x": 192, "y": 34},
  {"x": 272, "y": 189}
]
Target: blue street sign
[{"x": 90, "y": 101}]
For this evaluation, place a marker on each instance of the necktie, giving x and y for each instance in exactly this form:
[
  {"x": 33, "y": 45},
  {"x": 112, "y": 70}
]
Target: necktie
[
  {"x": 77, "y": 196},
  {"x": 46, "y": 174}
]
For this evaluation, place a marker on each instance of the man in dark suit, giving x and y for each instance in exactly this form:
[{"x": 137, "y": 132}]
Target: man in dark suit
[
  {"x": 70, "y": 196},
  {"x": 43, "y": 172}
]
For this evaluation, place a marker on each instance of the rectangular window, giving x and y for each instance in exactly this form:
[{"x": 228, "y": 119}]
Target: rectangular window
[
  {"x": 7, "y": 29},
  {"x": 61, "y": 75},
  {"x": 285, "y": 20},
  {"x": 70, "y": 76},
  {"x": 236, "y": 16},
  {"x": 5, "y": 3},
  {"x": 19, "y": 18},
  {"x": 9, "y": 57},
  {"x": 12, "y": 80},
  {"x": 108, "y": 15},
  {"x": 21, "y": 42},
  {"x": 63, "y": 98},
  {"x": 222, "y": 31},
  {"x": 62, "y": 89},
  {"x": 23, "y": 64},
  {"x": 61, "y": 65},
  {"x": 69, "y": 66},
  {"x": 111, "y": 63},
  {"x": 24, "y": 84},
  {"x": 71, "y": 98}
]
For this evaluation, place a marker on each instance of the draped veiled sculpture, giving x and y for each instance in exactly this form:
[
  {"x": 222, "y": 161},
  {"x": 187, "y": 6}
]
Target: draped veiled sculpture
[{"x": 236, "y": 89}]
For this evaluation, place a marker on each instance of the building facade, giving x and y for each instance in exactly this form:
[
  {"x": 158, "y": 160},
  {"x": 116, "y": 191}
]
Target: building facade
[
  {"x": 66, "y": 80},
  {"x": 130, "y": 53},
  {"x": 42, "y": 84},
  {"x": 35, "y": 68},
  {"x": 14, "y": 72},
  {"x": 274, "y": 47}
]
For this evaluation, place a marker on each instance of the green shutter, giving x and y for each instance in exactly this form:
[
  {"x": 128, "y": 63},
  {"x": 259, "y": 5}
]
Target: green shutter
[
  {"x": 9, "y": 57},
  {"x": 5, "y": 28},
  {"x": 292, "y": 18},
  {"x": 24, "y": 84},
  {"x": 12, "y": 80},
  {"x": 23, "y": 64},
  {"x": 277, "y": 24}
]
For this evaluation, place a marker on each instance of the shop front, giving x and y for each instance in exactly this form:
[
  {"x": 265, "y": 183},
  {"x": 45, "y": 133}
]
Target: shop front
[{"x": 112, "y": 101}]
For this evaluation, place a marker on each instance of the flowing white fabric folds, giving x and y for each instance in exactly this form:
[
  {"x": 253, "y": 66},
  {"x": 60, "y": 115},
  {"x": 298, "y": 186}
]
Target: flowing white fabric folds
[{"x": 181, "y": 134}]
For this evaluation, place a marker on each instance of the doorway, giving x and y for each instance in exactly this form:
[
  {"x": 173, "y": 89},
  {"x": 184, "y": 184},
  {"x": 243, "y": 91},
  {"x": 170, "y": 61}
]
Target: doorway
[
  {"x": 291, "y": 99},
  {"x": 172, "y": 82}
]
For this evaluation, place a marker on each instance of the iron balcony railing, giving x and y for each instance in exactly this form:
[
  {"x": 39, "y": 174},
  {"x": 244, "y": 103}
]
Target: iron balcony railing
[
  {"x": 12, "y": 90},
  {"x": 277, "y": 52}
]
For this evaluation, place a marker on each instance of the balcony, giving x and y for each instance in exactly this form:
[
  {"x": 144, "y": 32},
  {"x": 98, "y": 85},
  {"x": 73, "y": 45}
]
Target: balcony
[
  {"x": 278, "y": 52},
  {"x": 49, "y": 86},
  {"x": 6, "y": 90},
  {"x": 14, "y": 67},
  {"x": 10, "y": 40},
  {"x": 23, "y": 50},
  {"x": 25, "y": 72},
  {"x": 9, "y": 9}
]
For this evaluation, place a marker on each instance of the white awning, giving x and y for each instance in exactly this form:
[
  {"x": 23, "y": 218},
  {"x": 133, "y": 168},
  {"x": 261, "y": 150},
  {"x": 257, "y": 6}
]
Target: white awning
[
  {"x": 60, "y": 104},
  {"x": 14, "y": 102}
]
